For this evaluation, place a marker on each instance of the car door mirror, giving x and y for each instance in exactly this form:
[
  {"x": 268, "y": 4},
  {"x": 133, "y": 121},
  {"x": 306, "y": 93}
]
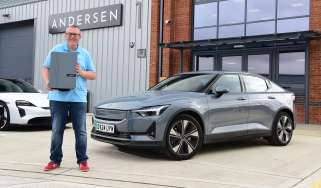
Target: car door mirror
[{"x": 219, "y": 91}]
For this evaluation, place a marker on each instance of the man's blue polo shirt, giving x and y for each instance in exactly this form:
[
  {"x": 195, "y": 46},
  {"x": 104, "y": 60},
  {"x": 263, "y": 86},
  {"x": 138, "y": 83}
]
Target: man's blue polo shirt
[{"x": 79, "y": 94}]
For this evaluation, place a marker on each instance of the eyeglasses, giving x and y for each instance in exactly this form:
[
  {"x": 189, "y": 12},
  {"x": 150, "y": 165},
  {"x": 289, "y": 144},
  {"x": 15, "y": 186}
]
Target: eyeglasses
[{"x": 72, "y": 34}]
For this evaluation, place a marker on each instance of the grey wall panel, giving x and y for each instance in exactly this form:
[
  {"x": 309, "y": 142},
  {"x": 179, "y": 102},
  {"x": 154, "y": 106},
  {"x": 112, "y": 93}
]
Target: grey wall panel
[{"x": 119, "y": 71}]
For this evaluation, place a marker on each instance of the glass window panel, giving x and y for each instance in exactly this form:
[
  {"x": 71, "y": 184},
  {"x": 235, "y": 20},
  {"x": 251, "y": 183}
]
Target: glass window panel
[
  {"x": 254, "y": 84},
  {"x": 259, "y": 64},
  {"x": 230, "y": 82},
  {"x": 232, "y": 63},
  {"x": 292, "y": 63},
  {"x": 290, "y": 8},
  {"x": 293, "y": 25},
  {"x": 261, "y": 28},
  {"x": 292, "y": 71},
  {"x": 232, "y": 11},
  {"x": 260, "y": 10},
  {"x": 205, "y": 63},
  {"x": 205, "y": 14},
  {"x": 231, "y": 31},
  {"x": 205, "y": 33}
]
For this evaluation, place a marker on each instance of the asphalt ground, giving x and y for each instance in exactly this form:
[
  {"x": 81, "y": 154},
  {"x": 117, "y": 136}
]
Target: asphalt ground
[{"x": 250, "y": 163}]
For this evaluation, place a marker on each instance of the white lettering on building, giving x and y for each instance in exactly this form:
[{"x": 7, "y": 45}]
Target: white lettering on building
[
  {"x": 79, "y": 20},
  {"x": 113, "y": 15},
  {"x": 71, "y": 20},
  {"x": 103, "y": 16},
  {"x": 95, "y": 17}
]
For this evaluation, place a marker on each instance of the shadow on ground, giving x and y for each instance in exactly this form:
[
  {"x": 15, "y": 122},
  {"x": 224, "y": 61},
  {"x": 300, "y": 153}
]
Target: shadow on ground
[
  {"x": 157, "y": 154},
  {"x": 30, "y": 128}
]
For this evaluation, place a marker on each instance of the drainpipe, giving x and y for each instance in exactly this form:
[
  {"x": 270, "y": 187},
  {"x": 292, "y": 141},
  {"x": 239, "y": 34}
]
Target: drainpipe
[{"x": 161, "y": 36}]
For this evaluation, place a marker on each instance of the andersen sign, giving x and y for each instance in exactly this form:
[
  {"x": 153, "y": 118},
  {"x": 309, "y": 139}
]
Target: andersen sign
[{"x": 108, "y": 16}]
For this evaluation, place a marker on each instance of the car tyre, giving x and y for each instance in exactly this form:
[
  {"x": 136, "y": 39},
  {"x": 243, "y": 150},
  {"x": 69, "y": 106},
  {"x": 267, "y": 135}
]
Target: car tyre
[
  {"x": 184, "y": 138},
  {"x": 282, "y": 130},
  {"x": 4, "y": 117}
]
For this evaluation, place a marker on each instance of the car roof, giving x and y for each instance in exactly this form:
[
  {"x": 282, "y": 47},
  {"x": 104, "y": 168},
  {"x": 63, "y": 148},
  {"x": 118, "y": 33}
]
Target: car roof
[{"x": 217, "y": 72}]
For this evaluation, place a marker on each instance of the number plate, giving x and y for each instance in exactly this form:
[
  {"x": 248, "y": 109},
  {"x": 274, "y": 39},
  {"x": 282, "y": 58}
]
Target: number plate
[{"x": 107, "y": 128}]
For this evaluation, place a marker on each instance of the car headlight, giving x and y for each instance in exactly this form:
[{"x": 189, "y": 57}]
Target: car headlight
[
  {"x": 151, "y": 111},
  {"x": 24, "y": 103}
]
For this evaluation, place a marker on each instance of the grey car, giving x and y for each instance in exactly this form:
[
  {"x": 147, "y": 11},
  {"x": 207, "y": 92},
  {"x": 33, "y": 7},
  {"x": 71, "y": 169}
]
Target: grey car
[{"x": 187, "y": 110}]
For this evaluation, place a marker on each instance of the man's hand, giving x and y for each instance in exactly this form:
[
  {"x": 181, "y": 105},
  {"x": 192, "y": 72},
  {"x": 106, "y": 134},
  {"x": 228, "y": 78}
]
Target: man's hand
[
  {"x": 85, "y": 74},
  {"x": 48, "y": 87},
  {"x": 78, "y": 70}
]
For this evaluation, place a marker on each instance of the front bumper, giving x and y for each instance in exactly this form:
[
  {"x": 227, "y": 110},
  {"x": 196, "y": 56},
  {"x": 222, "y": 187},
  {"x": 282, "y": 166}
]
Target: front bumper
[
  {"x": 29, "y": 115},
  {"x": 130, "y": 129},
  {"x": 130, "y": 141}
]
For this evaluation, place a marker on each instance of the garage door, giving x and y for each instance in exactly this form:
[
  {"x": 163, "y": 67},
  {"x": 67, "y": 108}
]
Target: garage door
[{"x": 16, "y": 51}]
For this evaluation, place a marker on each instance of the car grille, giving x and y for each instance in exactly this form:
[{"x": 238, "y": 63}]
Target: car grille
[{"x": 110, "y": 115}]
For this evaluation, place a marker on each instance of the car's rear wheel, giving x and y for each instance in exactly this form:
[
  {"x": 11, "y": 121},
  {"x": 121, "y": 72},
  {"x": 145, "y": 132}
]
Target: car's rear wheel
[
  {"x": 282, "y": 130},
  {"x": 184, "y": 137},
  {"x": 4, "y": 117}
]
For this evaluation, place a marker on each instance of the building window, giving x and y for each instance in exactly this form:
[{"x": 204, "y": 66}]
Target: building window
[
  {"x": 260, "y": 10},
  {"x": 232, "y": 63},
  {"x": 260, "y": 28},
  {"x": 260, "y": 17},
  {"x": 206, "y": 14},
  {"x": 292, "y": 25},
  {"x": 293, "y": 8},
  {"x": 205, "y": 33},
  {"x": 205, "y": 22},
  {"x": 205, "y": 63},
  {"x": 295, "y": 60},
  {"x": 259, "y": 64},
  {"x": 232, "y": 12},
  {"x": 231, "y": 31},
  {"x": 292, "y": 79}
]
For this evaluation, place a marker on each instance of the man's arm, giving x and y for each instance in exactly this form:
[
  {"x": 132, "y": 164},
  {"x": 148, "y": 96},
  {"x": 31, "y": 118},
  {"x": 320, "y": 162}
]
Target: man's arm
[{"x": 45, "y": 77}]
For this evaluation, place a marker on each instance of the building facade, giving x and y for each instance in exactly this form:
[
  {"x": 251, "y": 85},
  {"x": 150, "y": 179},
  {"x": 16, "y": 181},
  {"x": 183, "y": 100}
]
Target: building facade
[
  {"x": 155, "y": 39},
  {"x": 278, "y": 39},
  {"x": 30, "y": 28}
]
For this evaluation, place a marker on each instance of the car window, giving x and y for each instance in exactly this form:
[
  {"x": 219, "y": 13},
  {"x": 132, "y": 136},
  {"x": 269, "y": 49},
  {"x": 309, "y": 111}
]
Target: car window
[
  {"x": 230, "y": 82},
  {"x": 254, "y": 84},
  {"x": 8, "y": 86},
  {"x": 275, "y": 87},
  {"x": 25, "y": 86},
  {"x": 188, "y": 83},
  {"x": 2, "y": 88}
]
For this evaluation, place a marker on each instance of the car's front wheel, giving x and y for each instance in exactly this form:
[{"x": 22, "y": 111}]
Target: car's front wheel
[
  {"x": 184, "y": 137},
  {"x": 282, "y": 130},
  {"x": 4, "y": 116}
]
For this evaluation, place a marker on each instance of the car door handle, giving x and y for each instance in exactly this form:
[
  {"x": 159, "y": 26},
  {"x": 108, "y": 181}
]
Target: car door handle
[
  {"x": 241, "y": 99},
  {"x": 271, "y": 97}
]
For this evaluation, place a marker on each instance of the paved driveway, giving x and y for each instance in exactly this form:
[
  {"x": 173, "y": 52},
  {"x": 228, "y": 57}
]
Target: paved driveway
[{"x": 252, "y": 163}]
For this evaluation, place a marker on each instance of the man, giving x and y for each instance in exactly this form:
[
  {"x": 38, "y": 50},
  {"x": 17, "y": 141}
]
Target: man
[{"x": 72, "y": 102}]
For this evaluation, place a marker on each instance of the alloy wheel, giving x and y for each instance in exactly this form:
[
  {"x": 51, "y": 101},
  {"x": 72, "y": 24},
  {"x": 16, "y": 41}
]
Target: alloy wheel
[
  {"x": 184, "y": 137},
  {"x": 3, "y": 116},
  {"x": 284, "y": 129}
]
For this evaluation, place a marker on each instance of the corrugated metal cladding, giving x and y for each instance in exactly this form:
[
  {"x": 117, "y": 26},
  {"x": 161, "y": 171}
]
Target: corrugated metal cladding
[
  {"x": 9, "y": 3},
  {"x": 119, "y": 71}
]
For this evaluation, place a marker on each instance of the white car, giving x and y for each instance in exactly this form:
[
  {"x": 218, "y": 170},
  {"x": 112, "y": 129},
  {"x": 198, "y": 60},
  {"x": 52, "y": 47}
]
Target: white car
[{"x": 22, "y": 104}]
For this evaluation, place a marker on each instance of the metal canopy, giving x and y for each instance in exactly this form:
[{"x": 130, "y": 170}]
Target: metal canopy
[{"x": 246, "y": 42}]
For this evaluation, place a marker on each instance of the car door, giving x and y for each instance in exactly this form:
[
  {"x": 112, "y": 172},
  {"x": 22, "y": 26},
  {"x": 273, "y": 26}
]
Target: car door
[
  {"x": 261, "y": 104},
  {"x": 228, "y": 113}
]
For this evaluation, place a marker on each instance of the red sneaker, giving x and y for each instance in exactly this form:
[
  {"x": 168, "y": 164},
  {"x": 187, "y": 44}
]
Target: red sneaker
[
  {"x": 51, "y": 166},
  {"x": 83, "y": 166}
]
